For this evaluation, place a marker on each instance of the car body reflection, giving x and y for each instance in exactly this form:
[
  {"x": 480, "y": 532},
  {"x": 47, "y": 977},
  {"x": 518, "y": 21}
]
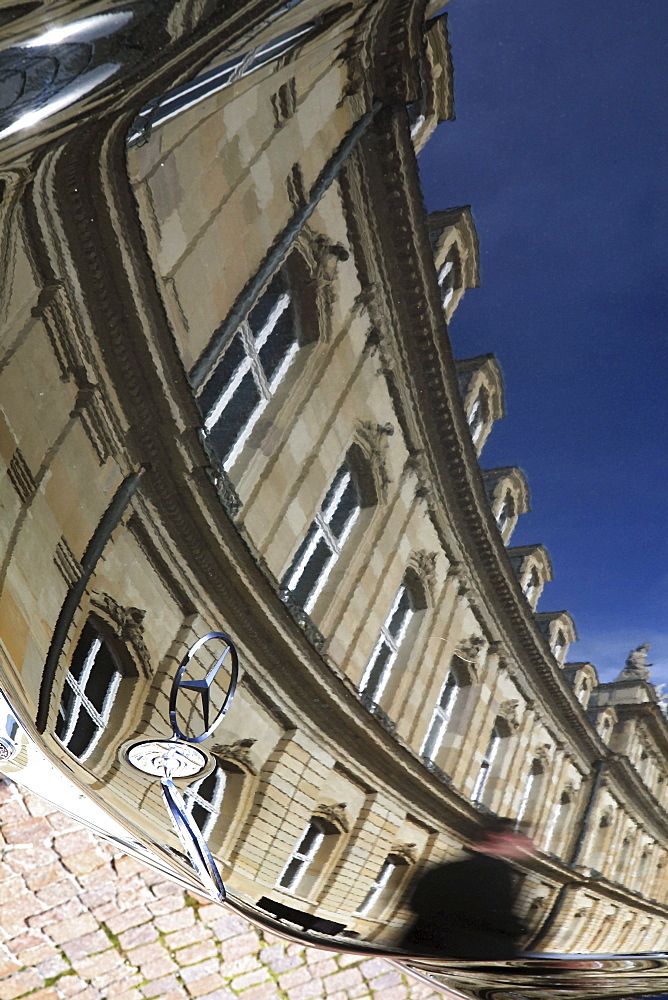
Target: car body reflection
[{"x": 231, "y": 408}]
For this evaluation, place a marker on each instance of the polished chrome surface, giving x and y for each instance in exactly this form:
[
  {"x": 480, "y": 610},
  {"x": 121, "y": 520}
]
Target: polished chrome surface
[
  {"x": 113, "y": 696},
  {"x": 202, "y": 687},
  {"x": 160, "y": 757}
]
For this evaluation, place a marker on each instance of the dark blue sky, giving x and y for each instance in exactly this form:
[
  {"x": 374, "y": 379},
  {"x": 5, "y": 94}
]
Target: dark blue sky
[{"x": 561, "y": 148}]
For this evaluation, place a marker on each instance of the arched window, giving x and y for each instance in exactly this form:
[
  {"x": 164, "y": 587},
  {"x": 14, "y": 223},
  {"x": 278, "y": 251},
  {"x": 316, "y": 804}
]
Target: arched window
[
  {"x": 384, "y": 887},
  {"x": 441, "y": 717},
  {"x": 392, "y": 634},
  {"x": 605, "y": 728},
  {"x": 480, "y": 788},
  {"x": 621, "y": 868},
  {"x": 559, "y": 645},
  {"x": 448, "y": 278},
  {"x": 250, "y": 371},
  {"x": 584, "y": 692},
  {"x": 506, "y": 514},
  {"x": 532, "y": 794},
  {"x": 599, "y": 851},
  {"x": 89, "y": 692},
  {"x": 324, "y": 541},
  {"x": 641, "y": 872},
  {"x": 478, "y": 416},
  {"x": 602, "y": 932},
  {"x": 557, "y": 824},
  {"x": 531, "y": 585},
  {"x": 658, "y": 883},
  {"x": 204, "y": 798}
]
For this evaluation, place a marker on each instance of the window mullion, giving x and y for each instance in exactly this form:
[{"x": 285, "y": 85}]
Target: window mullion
[
  {"x": 266, "y": 331},
  {"x": 232, "y": 386}
]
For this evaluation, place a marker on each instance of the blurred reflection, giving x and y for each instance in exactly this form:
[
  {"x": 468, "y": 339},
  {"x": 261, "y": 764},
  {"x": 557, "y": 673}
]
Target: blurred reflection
[
  {"x": 466, "y": 909},
  {"x": 55, "y": 69},
  {"x": 249, "y": 306}
]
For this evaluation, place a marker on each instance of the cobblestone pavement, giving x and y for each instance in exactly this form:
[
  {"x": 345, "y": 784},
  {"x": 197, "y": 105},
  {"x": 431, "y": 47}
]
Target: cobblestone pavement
[{"x": 80, "y": 920}]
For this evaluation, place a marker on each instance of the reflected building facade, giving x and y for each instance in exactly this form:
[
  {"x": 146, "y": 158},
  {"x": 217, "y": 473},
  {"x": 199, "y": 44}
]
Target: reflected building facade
[{"x": 229, "y": 401}]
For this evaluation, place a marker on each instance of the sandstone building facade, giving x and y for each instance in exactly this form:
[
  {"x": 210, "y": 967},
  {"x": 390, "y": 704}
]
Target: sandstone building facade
[{"x": 229, "y": 403}]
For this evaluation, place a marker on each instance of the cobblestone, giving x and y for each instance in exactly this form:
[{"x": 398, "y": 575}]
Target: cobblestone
[{"x": 81, "y": 922}]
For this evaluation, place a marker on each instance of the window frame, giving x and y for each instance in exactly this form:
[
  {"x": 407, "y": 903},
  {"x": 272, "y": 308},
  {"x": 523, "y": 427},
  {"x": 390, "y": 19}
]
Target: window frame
[
  {"x": 211, "y": 806},
  {"x": 320, "y": 531},
  {"x": 390, "y": 867},
  {"x": 252, "y": 343},
  {"x": 78, "y": 685},
  {"x": 487, "y": 764},
  {"x": 386, "y": 640},
  {"x": 507, "y": 513},
  {"x": 441, "y": 717},
  {"x": 304, "y": 859}
]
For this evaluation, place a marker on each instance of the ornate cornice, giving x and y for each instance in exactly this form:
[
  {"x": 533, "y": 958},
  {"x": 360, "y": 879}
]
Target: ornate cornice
[{"x": 383, "y": 171}]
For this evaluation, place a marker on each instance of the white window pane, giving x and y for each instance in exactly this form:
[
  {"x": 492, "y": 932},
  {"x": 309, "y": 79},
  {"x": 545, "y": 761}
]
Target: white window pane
[{"x": 324, "y": 541}]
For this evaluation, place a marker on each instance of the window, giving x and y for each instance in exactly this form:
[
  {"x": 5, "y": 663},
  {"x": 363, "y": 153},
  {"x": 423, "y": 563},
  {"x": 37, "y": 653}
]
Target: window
[
  {"x": 531, "y": 793},
  {"x": 486, "y": 765},
  {"x": 303, "y": 856},
  {"x": 189, "y": 94},
  {"x": 385, "y": 652},
  {"x": 557, "y": 823},
  {"x": 642, "y": 870},
  {"x": 559, "y": 645},
  {"x": 440, "y": 718},
  {"x": 622, "y": 868},
  {"x": 250, "y": 372},
  {"x": 478, "y": 417},
  {"x": 446, "y": 282},
  {"x": 583, "y": 693},
  {"x": 531, "y": 585},
  {"x": 204, "y": 798},
  {"x": 600, "y": 854},
  {"x": 386, "y": 883},
  {"x": 90, "y": 688},
  {"x": 506, "y": 513},
  {"x": 326, "y": 537}
]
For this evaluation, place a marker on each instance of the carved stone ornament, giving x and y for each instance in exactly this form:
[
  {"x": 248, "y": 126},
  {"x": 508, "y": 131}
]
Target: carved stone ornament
[
  {"x": 424, "y": 564},
  {"x": 128, "y": 624},
  {"x": 365, "y": 298},
  {"x": 416, "y": 465},
  {"x": 407, "y": 852},
  {"x": 373, "y": 437},
  {"x": 373, "y": 440},
  {"x": 377, "y": 345},
  {"x": 334, "y": 814},
  {"x": 543, "y": 753},
  {"x": 470, "y": 649},
  {"x": 457, "y": 571},
  {"x": 508, "y": 712},
  {"x": 454, "y": 570},
  {"x": 237, "y": 752},
  {"x": 323, "y": 256},
  {"x": 313, "y": 634},
  {"x": 569, "y": 790}
]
